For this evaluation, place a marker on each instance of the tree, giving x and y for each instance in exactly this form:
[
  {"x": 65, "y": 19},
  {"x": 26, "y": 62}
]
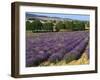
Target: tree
[
  {"x": 60, "y": 25},
  {"x": 78, "y": 25},
  {"x": 36, "y": 25},
  {"x": 82, "y": 25},
  {"x": 48, "y": 26},
  {"x": 68, "y": 25},
  {"x": 28, "y": 25}
]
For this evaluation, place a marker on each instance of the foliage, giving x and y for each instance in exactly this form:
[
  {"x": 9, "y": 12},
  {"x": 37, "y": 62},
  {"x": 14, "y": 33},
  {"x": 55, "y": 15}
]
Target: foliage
[
  {"x": 68, "y": 25},
  {"x": 60, "y": 25},
  {"x": 48, "y": 26},
  {"x": 28, "y": 25},
  {"x": 36, "y": 25},
  {"x": 78, "y": 25}
]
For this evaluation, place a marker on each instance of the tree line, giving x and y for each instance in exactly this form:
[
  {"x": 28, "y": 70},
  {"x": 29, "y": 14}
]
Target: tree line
[{"x": 48, "y": 26}]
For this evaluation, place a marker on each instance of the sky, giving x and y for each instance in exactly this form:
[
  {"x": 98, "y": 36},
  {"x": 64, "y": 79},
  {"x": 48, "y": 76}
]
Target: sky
[{"x": 71, "y": 16}]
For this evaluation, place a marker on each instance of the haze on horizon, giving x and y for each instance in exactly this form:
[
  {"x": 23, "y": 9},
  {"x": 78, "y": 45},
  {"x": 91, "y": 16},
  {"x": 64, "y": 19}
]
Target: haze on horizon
[{"x": 70, "y": 16}]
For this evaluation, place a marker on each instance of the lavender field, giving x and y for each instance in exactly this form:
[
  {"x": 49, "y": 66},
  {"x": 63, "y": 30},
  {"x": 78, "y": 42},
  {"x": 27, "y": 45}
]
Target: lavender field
[{"x": 53, "y": 48}]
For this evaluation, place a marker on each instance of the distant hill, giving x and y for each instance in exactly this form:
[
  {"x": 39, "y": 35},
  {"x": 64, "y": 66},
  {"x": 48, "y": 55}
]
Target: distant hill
[{"x": 41, "y": 17}]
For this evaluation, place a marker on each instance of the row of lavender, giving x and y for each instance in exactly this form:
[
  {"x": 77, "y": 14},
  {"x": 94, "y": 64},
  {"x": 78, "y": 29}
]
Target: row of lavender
[{"x": 55, "y": 47}]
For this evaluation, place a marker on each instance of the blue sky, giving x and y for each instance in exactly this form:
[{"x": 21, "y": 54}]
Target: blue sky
[{"x": 71, "y": 16}]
